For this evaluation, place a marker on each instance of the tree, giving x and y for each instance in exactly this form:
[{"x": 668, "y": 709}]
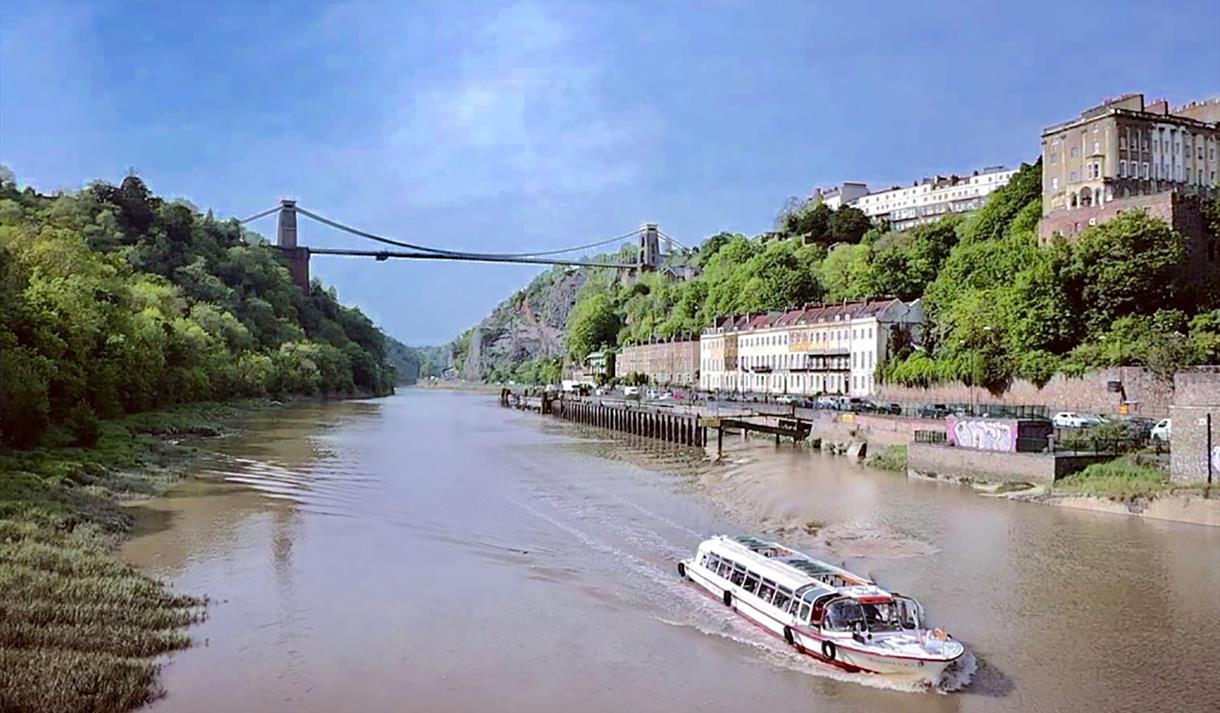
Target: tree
[
  {"x": 848, "y": 224},
  {"x": 592, "y": 325},
  {"x": 994, "y": 219},
  {"x": 1128, "y": 265},
  {"x": 845, "y": 272}
]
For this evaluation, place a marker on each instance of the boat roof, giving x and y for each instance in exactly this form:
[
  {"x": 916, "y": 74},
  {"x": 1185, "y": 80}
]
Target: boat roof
[{"x": 791, "y": 568}]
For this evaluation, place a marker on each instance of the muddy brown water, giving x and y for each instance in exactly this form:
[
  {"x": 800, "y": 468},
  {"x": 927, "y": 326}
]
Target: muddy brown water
[{"x": 433, "y": 552}]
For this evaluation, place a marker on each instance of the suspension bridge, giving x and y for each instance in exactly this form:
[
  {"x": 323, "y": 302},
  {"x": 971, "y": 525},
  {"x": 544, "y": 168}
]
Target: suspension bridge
[{"x": 647, "y": 239}]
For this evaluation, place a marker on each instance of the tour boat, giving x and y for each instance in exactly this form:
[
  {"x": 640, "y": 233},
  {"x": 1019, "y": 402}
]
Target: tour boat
[{"x": 822, "y": 610}]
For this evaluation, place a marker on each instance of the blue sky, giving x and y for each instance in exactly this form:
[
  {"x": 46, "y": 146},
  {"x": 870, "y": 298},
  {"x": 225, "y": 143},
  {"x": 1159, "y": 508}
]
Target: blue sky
[{"x": 509, "y": 126}]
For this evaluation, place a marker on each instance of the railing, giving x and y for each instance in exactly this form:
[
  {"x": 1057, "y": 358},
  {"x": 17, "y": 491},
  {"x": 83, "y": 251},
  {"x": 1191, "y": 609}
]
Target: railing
[
  {"x": 919, "y": 409},
  {"x": 1085, "y": 441},
  {"x": 932, "y": 437}
]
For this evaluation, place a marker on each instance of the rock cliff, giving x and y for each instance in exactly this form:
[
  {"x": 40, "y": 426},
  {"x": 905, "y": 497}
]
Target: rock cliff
[{"x": 527, "y": 325}]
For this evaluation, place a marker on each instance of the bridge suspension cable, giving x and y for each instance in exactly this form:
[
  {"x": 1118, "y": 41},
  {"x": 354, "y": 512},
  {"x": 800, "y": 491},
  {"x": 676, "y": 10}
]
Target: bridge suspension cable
[
  {"x": 672, "y": 239},
  {"x": 459, "y": 253},
  {"x": 256, "y": 216}
]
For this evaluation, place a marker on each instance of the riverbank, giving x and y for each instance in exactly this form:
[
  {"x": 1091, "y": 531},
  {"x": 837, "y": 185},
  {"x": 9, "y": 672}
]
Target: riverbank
[{"x": 79, "y": 628}]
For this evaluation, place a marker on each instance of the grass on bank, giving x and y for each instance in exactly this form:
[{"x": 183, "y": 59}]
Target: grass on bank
[
  {"x": 892, "y": 458},
  {"x": 1125, "y": 478},
  {"x": 78, "y": 626}
]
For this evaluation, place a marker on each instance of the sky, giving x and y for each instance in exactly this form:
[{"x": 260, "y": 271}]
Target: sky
[{"x": 522, "y": 126}]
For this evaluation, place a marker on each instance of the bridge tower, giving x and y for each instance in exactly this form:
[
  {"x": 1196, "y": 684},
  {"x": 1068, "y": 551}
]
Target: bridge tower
[
  {"x": 649, "y": 256},
  {"x": 286, "y": 240}
]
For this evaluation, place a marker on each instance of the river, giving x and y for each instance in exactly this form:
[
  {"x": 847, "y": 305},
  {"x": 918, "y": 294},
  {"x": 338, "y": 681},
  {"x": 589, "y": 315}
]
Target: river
[{"x": 434, "y": 552}]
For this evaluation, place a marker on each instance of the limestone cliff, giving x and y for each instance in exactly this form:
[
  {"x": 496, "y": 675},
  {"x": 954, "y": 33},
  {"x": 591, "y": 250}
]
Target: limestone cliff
[{"x": 527, "y": 325}]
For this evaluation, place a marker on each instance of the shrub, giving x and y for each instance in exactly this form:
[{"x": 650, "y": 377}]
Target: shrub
[{"x": 83, "y": 424}]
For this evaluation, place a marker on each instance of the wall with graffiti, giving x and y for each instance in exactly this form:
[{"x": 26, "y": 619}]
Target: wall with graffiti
[{"x": 981, "y": 433}]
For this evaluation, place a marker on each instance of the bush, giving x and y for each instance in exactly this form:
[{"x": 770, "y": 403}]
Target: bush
[
  {"x": 83, "y": 424},
  {"x": 1123, "y": 478},
  {"x": 890, "y": 458}
]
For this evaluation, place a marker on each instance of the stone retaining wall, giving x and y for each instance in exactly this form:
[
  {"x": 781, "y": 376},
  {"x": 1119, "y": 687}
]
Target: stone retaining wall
[
  {"x": 1148, "y": 395},
  {"x": 928, "y": 460},
  {"x": 1197, "y": 394}
]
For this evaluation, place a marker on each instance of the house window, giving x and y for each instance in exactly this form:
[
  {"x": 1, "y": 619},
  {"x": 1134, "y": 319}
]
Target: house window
[
  {"x": 1055, "y": 183},
  {"x": 1075, "y": 152},
  {"x": 1145, "y": 170},
  {"x": 1122, "y": 169},
  {"x": 1075, "y": 176}
]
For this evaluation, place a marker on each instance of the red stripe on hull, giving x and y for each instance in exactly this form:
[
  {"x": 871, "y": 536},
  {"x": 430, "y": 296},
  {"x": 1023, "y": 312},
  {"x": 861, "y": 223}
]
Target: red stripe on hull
[
  {"x": 849, "y": 668},
  {"x": 813, "y": 635}
]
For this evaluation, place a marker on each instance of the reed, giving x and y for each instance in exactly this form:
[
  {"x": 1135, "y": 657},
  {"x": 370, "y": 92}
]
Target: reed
[
  {"x": 893, "y": 458},
  {"x": 79, "y": 628}
]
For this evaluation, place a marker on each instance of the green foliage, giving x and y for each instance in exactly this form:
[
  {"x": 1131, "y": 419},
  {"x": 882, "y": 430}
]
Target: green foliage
[
  {"x": 538, "y": 371},
  {"x": 903, "y": 264},
  {"x": 814, "y": 222},
  {"x": 846, "y": 272},
  {"x": 997, "y": 217},
  {"x": 1128, "y": 265},
  {"x": 1125, "y": 478},
  {"x": 893, "y": 458},
  {"x": 113, "y": 300},
  {"x": 84, "y": 425},
  {"x": 593, "y": 324}
]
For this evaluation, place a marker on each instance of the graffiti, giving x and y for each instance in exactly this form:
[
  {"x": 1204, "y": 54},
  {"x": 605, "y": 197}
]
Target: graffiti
[{"x": 983, "y": 435}]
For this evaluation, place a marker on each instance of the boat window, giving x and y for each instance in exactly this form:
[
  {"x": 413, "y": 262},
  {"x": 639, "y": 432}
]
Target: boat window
[
  {"x": 783, "y": 597},
  {"x": 819, "y": 607},
  {"x": 725, "y": 568},
  {"x": 843, "y": 615},
  {"x": 713, "y": 561},
  {"x": 706, "y": 561},
  {"x": 751, "y": 584},
  {"x": 766, "y": 591},
  {"x": 910, "y": 613},
  {"x": 803, "y": 615},
  {"x": 739, "y": 574}
]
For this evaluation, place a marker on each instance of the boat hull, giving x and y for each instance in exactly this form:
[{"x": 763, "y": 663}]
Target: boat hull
[{"x": 840, "y": 652}]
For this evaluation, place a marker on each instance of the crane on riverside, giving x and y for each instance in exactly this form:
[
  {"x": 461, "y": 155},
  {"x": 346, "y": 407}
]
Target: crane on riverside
[{"x": 647, "y": 237}]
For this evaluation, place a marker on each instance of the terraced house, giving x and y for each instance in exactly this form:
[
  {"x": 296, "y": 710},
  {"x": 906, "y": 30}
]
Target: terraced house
[
  {"x": 667, "y": 363},
  {"x": 817, "y": 349}
]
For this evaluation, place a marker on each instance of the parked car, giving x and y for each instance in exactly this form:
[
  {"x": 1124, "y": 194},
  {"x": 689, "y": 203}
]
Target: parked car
[
  {"x": 825, "y": 402},
  {"x": 856, "y": 404},
  {"x": 785, "y": 399},
  {"x": 1161, "y": 431},
  {"x": 1138, "y": 426},
  {"x": 630, "y": 391},
  {"x": 890, "y": 408},
  {"x": 933, "y": 411},
  {"x": 1072, "y": 419}
]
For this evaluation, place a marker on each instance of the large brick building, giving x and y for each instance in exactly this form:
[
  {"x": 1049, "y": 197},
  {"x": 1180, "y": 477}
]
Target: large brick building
[
  {"x": 671, "y": 363},
  {"x": 1125, "y": 155},
  {"x": 1126, "y": 148}
]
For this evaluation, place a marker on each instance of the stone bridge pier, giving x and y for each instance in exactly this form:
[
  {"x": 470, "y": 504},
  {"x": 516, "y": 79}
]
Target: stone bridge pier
[{"x": 295, "y": 255}]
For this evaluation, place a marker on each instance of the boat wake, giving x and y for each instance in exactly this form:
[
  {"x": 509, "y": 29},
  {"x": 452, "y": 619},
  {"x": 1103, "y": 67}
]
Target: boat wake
[
  {"x": 674, "y": 602},
  {"x": 955, "y": 678}
]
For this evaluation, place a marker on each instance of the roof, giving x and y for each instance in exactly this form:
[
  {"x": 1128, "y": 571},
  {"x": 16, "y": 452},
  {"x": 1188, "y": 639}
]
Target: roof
[{"x": 789, "y": 567}]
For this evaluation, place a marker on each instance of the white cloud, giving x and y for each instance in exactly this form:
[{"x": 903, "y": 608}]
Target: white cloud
[{"x": 515, "y": 108}]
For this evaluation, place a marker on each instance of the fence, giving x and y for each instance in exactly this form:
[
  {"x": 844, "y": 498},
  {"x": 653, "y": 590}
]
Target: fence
[
  {"x": 932, "y": 437},
  {"x": 920, "y": 409},
  {"x": 1084, "y": 441}
]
